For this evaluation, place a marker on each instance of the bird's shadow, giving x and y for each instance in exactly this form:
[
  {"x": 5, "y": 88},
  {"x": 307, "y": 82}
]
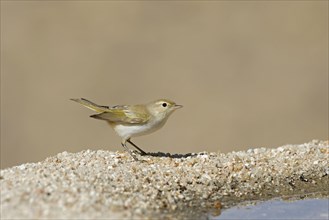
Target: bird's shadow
[{"x": 162, "y": 154}]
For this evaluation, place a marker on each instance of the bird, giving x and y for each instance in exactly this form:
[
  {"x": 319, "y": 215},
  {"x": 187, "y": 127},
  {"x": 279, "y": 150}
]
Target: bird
[{"x": 130, "y": 121}]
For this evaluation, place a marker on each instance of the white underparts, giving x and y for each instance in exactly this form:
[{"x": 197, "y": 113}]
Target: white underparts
[{"x": 128, "y": 131}]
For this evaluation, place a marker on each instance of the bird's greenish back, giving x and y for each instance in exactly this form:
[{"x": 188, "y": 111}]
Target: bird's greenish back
[{"x": 125, "y": 114}]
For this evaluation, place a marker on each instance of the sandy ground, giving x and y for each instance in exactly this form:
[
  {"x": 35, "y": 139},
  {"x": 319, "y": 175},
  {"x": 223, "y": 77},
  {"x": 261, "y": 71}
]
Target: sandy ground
[{"x": 104, "y": 184}]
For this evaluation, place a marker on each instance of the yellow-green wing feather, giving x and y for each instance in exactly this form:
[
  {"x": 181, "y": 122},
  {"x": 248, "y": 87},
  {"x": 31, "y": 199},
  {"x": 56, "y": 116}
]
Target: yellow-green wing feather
[
  {"x": 134, "y": 114},
  {"x": 124, "y": 114}
]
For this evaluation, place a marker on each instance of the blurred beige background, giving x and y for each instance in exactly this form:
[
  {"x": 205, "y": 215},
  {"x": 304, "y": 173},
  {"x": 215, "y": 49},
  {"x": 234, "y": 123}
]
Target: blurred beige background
[{"x": 249, "y": 74}]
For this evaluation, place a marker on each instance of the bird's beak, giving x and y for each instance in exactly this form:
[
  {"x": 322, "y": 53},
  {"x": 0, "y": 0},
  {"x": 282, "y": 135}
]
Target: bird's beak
[{"x": 178, "y": 106}]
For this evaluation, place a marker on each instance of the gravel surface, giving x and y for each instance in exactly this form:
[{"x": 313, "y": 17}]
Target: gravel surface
[{"x": 104, "y": 184}]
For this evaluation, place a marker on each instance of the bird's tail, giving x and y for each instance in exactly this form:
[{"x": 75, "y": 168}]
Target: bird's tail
[{"x": 91, "y": 105}]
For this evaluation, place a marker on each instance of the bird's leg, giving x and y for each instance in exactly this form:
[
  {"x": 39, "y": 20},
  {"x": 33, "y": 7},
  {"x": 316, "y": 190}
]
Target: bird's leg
[
  {"x": 128, "y": 150},
  {"x": 140, "y": 150}
]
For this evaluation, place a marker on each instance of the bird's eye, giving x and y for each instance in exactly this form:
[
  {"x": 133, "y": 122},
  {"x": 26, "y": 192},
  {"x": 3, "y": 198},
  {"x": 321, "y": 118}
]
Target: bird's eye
[{"x": 164, "y": 104}]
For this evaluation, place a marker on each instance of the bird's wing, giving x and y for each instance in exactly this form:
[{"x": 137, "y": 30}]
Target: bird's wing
[{"x": 124, "y": 114}]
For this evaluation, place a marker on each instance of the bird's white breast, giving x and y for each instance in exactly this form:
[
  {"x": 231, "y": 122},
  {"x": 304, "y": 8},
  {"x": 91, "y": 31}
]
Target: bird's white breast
[{"x": 128, "y": 131}]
